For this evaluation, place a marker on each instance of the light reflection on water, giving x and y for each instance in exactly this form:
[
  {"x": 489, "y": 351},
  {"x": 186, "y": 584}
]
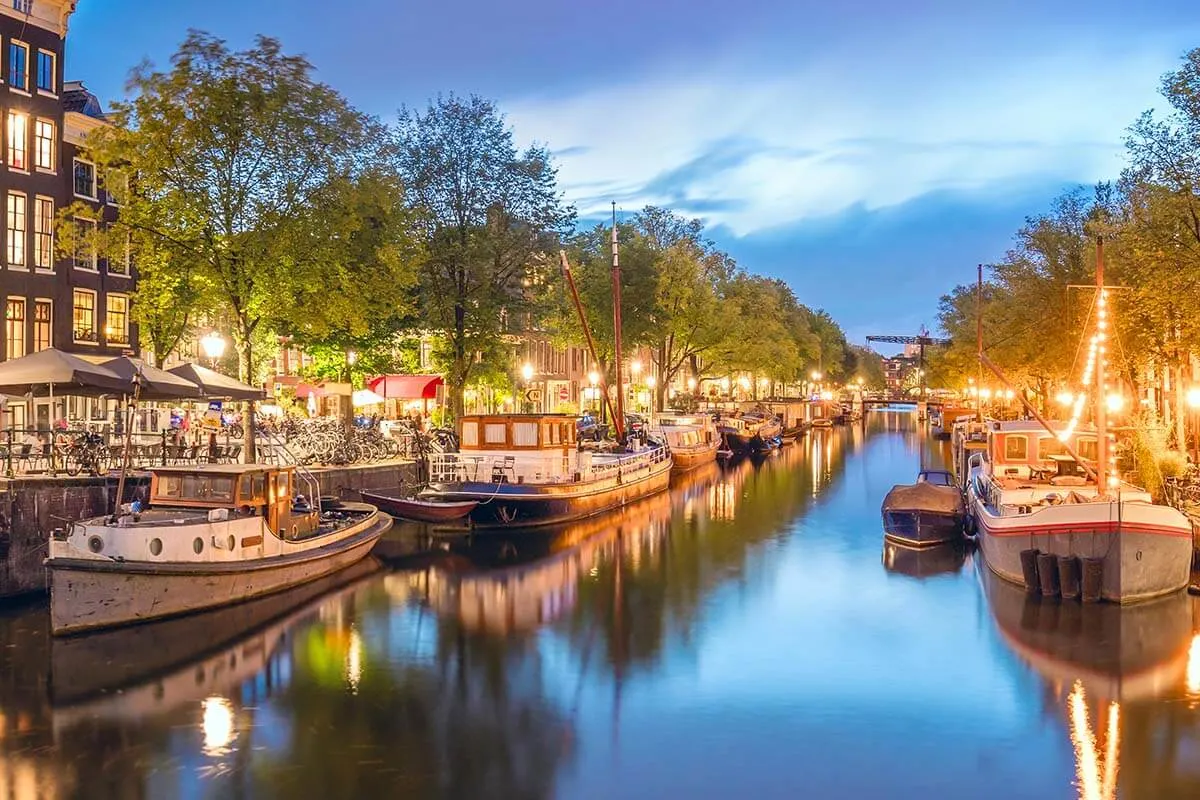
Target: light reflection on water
[{"x": 748, "y": 634}]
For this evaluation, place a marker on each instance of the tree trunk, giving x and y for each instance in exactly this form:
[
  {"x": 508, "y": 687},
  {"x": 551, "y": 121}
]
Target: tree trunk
[
  {"x": 250, "y": 452},
  {"x": 1180, "y": 407}
]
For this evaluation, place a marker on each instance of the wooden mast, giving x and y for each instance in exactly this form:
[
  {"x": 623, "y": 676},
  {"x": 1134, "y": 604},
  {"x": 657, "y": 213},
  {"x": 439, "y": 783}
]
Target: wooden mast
[
  {"x": 619, "y": 419},
  {"x": 979, "y": 341},
  {"x": 1101, "y": 394},
  {"x": 587, "y": 330}
]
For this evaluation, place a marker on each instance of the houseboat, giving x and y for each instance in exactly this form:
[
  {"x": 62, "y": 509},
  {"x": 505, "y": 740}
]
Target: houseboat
[
  {"x": 924, "y": 513},
  {"x": 527, "y": 469},
  {"x": 212, "y": 535},
  {"x": 1027, "y": 493},
  {"x": 753, "y": 432},
  {"x": 693, "y": 440}
]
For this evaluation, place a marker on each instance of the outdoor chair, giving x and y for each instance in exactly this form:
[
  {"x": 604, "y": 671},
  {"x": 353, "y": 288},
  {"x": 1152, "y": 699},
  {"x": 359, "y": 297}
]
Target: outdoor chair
[
  {"x": 505, "y": 471},
  {"x": 233, "y": 453}
]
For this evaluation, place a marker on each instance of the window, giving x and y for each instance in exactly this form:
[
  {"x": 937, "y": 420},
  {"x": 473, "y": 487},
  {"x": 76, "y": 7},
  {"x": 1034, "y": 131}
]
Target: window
[
  {"x": 43, "y": 145},
  {"x": 46, "y": 72},
  {"x": 16, "y": 229},
  {"x": 43, "y": 232},
  {"x": 116, "y": 319},
  {"x": 18, "y": 140},
  {"x": 1016, "y": 448},
  {"x": 43, "y": 318},
  {"x": 85, "y": 179},
  {"x": 14, "y": 327},
  {"x": 120, "y": 266},
  {"x": 85, "y": 245},
  {"x": 84, "y": 317},
  {"x": 18, "y": 65},
  {"x": 24, "y": 6}
]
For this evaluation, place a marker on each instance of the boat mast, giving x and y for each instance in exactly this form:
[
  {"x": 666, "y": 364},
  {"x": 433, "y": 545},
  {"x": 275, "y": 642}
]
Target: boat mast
[
  {"x": 619, "y": 420},
  {"x": 979, "y": 341},
  {"x": 587, "y": 329},
  {"x": 1104, "y": 479}
]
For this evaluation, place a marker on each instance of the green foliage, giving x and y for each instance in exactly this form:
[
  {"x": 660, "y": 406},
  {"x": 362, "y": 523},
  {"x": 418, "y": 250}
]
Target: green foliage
[{"x": 490, "y": 212}]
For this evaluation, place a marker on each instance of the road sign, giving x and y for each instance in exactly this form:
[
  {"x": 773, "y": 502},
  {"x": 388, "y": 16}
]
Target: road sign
[
  {"x": 212, "y": 417},
  {"x": 563, "y": 394},
  {"x": 533, "y": 395}
]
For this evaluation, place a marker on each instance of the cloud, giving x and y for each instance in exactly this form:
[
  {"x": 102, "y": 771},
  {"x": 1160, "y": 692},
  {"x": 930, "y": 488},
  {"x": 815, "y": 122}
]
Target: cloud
[{"x": 754, "y": 146}]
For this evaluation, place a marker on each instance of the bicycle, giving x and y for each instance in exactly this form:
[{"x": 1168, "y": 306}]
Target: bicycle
[{"x": 87, "y": 452}]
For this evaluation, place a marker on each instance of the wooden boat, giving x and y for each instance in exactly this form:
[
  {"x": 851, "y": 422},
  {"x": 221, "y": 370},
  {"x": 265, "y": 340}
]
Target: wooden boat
[
  {"x": 213, "y": 535},
  {"x": 1027, "y": 493},
  {"x": 751, "y": 433},
  {"x": 790, "y": 435},
  {"x": 693, "y": 440},
  {"x": 526, "y": 469},
  {"x": 412, "y": 508},
  {"x": 927, "y": 512}
]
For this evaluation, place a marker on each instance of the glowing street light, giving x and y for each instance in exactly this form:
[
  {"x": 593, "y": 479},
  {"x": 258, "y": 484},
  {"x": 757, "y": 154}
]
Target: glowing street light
[
  {"x": 816, "y": 376},
  {"x": 1114, "y": 402},
  {"x": 213, "y": 345},
  {"x": 635, "y": 367},
  {"x": 1193, "y": 397},
  {"x": 1065, "y": 398},
  {"x": 691, "y": 384},
  {"x": 593, "y": 378},
  {"x": 527, "y": 372}
]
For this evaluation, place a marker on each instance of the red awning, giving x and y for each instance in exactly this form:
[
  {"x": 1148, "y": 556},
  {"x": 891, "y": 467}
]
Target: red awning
[
  {"x": 406, "y": 387},
  {"x": 303, "y": 390}
]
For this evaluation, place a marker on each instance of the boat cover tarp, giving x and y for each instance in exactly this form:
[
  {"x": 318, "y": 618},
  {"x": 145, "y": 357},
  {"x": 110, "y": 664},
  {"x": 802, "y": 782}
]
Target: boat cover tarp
[{"x": 924, "y": 497}]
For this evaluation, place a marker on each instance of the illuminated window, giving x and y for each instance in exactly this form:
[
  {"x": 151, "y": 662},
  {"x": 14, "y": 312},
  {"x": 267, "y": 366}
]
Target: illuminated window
[
  {"x": 85, "y": 245},
  {"x": 43, "y": 232},
  {"x": 1016, "y": 448},
  {"x": 84, "y": 316},
  {"x": 14, "y": 327},
  {"x": 18, "y": 140},
  {"x": 116, "y": 319},
  {"x": 17, "y": 229},
  {"x": 43, "y": 144},
  {"x": 43, "y": 320},
  {"x": 18, "y": 65},
  {"x": 85, "y": 179},
  {"x": 46, "y": 71}
]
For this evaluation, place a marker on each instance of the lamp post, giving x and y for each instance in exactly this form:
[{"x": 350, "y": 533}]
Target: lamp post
[
  {"x": 1193, "y": 402},
  {"x": 526, "y": 377},
  {"x": 213, "y": 345},
  {"x": 594, "y": 379}
]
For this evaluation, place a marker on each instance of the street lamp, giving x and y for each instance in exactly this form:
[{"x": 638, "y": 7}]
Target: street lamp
[
  {"x": 213, "y": 345},
  {"x": 527, "y": 375},
  {"x": 593, "y": 379},
  {"x": 635, "y": 368},
  {"x": 527, "y": 372}
]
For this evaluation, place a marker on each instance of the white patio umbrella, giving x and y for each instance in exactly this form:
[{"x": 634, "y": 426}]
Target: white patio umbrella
[{"x": 365, "y": 397}]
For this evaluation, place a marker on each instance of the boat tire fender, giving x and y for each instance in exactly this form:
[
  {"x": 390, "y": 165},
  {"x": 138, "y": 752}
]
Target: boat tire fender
[
  {"x": 1029, "y": 570},
  {"x": 1048, "y": 574}
]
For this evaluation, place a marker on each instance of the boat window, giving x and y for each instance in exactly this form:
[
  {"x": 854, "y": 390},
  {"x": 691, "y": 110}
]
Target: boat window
[
  {"x": 1087, "y": 449},
  {"x": 567, "y": 432},
  {"x": 1016, "y": 448},
  {"x": 493, "y": 433},
  {"x": 283, "y": 482},
  {"x": 550, "y": 432},
  {"x": 245, "y": 488},
  {"x": 1050, "y": 446},
  {"x": 525, "y": 434},
  {"x": 209, "y": 488},
  {"x": 260, "y": 485},
  {"x": 170, "y": 486},
  {"x": 470, "y": 433}
]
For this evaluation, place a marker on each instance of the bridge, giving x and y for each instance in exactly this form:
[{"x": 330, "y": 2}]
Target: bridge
[{"x": 922, "y": 340}]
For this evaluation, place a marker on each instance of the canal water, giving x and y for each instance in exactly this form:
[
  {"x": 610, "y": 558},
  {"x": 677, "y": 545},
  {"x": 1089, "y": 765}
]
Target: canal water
[{"x": 748, "y": 634}]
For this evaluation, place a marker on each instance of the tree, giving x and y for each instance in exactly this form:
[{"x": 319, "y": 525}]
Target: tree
[
  {"x": 242, "y": 164},
  {"x": 490, "y": 212}
]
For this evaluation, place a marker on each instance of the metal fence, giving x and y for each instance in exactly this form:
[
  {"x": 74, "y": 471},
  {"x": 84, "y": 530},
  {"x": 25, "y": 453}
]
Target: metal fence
[{"x": 32, "y": 451}]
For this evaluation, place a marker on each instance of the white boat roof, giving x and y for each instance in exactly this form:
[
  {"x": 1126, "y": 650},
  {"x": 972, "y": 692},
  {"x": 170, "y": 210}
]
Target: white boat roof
[{"x": 1032, "y": 426}]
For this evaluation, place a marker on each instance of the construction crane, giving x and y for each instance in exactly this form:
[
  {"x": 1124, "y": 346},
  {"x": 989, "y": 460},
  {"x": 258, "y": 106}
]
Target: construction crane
[{"x": 922, "y": 340}]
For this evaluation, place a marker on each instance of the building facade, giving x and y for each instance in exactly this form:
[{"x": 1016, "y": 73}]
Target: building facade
[{"x": 78, "y": 303}]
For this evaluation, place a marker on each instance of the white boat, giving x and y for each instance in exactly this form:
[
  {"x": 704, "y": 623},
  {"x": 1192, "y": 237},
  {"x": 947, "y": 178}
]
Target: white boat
[
  {"x": 213, "y": 535},
  {"x": 692, "y": 439},
  {"x": 1027, "y": 493},
  {"x": 527, "y": 469}
]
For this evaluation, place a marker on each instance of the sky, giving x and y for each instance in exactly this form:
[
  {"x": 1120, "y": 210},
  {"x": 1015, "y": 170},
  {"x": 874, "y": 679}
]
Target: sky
[{"x": 868, "y": 153}]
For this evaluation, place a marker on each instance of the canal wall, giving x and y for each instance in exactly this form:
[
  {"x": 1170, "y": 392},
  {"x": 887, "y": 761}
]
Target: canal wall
[{"x": 33, "y": 506}]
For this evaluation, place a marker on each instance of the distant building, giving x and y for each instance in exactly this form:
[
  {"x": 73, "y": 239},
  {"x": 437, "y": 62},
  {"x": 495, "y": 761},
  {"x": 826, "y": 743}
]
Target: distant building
[{"x": 81, "y": 303}]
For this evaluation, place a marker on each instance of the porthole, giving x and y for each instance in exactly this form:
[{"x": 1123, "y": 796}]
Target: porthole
[
  {"x": 198, "y": 545},
  {"x": 95, "y": 544},
  {"x": 231, "y": 542},
  {"x": 156, "y": 546}
]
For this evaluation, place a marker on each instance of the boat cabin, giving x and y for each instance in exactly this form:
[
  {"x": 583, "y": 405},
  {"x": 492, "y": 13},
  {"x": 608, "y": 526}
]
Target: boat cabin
[
  {"x": 1025, "y": 451},
  {"x": 518, "y": 432},
  {"x": 230, "y": 490}
]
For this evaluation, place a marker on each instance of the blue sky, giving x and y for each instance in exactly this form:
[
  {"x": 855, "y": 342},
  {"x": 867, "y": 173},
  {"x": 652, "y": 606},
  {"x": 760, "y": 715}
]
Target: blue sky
[{"x": 869, "y": 153}]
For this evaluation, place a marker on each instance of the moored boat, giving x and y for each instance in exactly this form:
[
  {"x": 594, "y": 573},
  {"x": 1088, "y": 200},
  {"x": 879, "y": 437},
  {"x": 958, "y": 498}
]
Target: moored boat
[
  {"x": 417, "y": 510},
  {"x": 693, "y": 440},
  {"x": 1027, "y": 493},
  {"x": 927, "y": 512},
  {"x": 751, "y": 433},
  {"x": 526, "y": 469},
  {"x": 213, "y": 535}
]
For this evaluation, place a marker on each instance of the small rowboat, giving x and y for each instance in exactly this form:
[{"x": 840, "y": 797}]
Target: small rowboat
[{"x": 419, "y": 510}]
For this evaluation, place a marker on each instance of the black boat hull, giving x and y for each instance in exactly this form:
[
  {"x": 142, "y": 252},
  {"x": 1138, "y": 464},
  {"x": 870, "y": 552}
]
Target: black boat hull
[{"x": 917, "y": 528}]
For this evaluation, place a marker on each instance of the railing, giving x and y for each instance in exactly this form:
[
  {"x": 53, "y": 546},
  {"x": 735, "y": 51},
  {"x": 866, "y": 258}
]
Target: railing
[
  {"x": 519, "y": 468},
  {"x": 629, "y": 463},
  {"x": 33, "y": 451}
]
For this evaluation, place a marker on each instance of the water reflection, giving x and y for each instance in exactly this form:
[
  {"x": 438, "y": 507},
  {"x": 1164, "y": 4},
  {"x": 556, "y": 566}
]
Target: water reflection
[
  {"x": 947, "y": 558},
  {"x": 1119, "y": 678}
]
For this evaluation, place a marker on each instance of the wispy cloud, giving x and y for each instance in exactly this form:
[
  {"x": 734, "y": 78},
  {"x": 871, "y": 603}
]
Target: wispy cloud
[{"x": 755, "y": 147}]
